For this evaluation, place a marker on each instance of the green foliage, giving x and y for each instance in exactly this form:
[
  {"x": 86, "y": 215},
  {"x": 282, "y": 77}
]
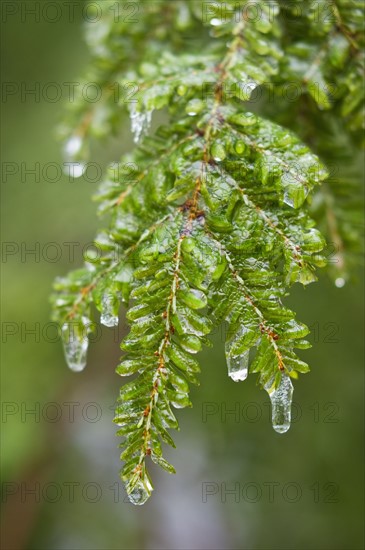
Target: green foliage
[{"x": 211, "y": 219}]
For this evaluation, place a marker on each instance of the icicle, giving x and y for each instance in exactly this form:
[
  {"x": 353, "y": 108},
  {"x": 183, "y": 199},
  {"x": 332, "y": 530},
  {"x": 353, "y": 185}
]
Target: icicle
[
  {"x": 108, "y": 318},
  {"x": 140, "y": 122},
  {"x": 281, "y": 399},
  {"x": 73, "y": 167},
  {"x": 75, "y": 346},
  {"x": 237, "y": 365}
]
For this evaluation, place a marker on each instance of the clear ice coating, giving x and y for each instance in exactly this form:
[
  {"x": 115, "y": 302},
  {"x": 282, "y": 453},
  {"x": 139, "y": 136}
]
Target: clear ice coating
[
  {"x": 281, "y": 399},
  {"x": 140, "y": 122},
  {"x": 75, "y": 346},
  {"x": 237, "y": 365},
  {"x": 139, "y": 494},
  {"x": 288, "y": 198},
  {"x": 294, "y": 194},
  {"x": 247, "y": 88},
  {"x": 108, "y": 318}
]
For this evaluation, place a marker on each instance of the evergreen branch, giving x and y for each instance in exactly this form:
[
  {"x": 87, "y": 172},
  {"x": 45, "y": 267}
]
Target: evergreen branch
[{"x": 210, "y": 218}]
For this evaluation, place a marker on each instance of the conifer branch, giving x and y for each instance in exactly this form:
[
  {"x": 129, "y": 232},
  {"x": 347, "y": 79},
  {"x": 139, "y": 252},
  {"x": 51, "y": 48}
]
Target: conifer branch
[{"x": 217, "y": 213}]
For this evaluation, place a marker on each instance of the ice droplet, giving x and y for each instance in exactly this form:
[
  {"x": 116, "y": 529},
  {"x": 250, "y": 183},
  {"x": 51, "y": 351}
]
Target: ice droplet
[
  {"x": 140, "y": 122},
  {"x": 194, "y": 107},
  {"x": 108, "y": 318},
  {"x": 218, "y": 152},
  {"x": 72, "y": 147},
  {"x": 288, "y": 199},
  {"x": 73, "y": 166},
  {"x": 215, "y": 22},
  {"x": 75, "y": 346},
  {"x": 251, "y": 86},
  {"x": 294, "y": 194},
  {"x": 240, "y": 147},
  {"x": 237, "y": 365},
  {"x": 281, "y": 399},
  {"x": 74, "y": 169},
  {"x": 140, "y": 493},
  {"x": 246, "y": 89},
  {"x": 340, "y": 282}
]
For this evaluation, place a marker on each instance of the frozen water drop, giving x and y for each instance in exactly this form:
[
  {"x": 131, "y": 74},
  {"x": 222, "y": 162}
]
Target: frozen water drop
[
  {"x": 140, "y": 493},
  {"x": 74, "y": 169},
  {"x": 340, "y": 282},
  {"x": 215, "y": 22},
  {"x": 72, "y": 147},
  {"x": 108, "y": 317},
  {"x": 73, "y": 166},
  {"x": 140, "y": 122},
  {"x": 194, "y": 107},
  {"x": 246, "y": 89},
  {"x": 281, "y": 400},
  {"x": 138, "y": 496},
  {"x": 218, "y": 152},
  {"x": 237, "y": 365},
  {"x": 294, "y": 194},
  {"x": 288, "y": 199},
  {"x": 240, "y": 147},
  {"x": 181, "y": 90},
  {"x": 251, "y": 86},
  {"x": 61, "y": 302},
  {"x": 75, "y": 347}
]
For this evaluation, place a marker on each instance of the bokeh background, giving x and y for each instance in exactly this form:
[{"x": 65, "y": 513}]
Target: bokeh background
[{"x": 239, "y": 484}]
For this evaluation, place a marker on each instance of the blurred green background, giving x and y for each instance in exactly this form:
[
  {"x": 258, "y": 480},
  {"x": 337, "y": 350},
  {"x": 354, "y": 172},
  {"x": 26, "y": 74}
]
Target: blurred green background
[{"x": 239, "y": 484}]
